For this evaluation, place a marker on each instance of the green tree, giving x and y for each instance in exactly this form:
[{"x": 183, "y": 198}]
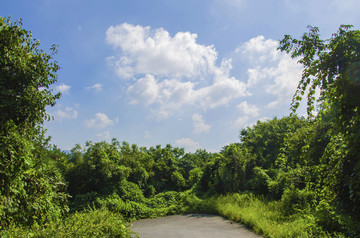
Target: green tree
[
  {"x": 31, "y": 186},
  {"x": 332, "y": 66},
  {"x": 26, "y": 74}
]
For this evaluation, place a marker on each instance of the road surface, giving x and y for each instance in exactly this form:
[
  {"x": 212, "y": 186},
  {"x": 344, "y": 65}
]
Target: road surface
[{"x": 191, "y": 226}]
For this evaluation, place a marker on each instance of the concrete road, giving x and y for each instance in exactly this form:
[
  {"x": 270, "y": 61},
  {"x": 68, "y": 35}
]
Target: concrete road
[{"x": 191, "y": 226}]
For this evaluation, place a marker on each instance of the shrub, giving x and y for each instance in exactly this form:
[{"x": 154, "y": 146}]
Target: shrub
[{"x": 91, "y": 223}]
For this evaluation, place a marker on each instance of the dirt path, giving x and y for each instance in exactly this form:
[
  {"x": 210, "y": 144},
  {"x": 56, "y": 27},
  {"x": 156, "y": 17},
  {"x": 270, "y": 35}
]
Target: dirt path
[{"x": 191, "y": 226}]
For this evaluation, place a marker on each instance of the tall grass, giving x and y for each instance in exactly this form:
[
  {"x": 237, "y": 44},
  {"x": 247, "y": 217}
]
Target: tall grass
[
  {"x": 91, "y": 223},
  {"x": 263, "y": 216}
]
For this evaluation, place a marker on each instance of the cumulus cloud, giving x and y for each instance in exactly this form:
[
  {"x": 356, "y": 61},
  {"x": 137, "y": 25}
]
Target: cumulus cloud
[
  {"x": 170, "y": 72},
  {"x": 145, "y": 90},
  {"x": 250, "y": 112},
  {"x": 248, "y": 109},
  {"x": 276, "y": 71},
  {"x": 62, "y": 88},
  {"x": 188, "y": 144},
  {"x": 199, "y": 125},
  {"x": 258, "y": 50},
  {"x": 68, "y": 113},
  {"x": 241, "y": 122},
  {"x": 101, "y": 120},
  {"x": 171, "y": 95},
  {"x": 146, "y": 51}
]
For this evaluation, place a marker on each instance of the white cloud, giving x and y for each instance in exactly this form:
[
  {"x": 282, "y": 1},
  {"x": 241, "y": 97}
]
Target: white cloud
[
  {"x": 248, "y": 109},
  {"x": 272, "y": 104},
  {"x": 104, "y": 135},
  {"x": 63, "y": 88},
  {"x": 101, "y": 120},
  {"x": 258, "y": 50},
  {"x": 146, "y": 51},
  {"x": 276, "y": 71},
  {"x": 286, "y": 75},
  {"x": 178, "y": 71},
  {"x": 68, "y": 113},
  {"x": 97, "y": 87},
  {"x": 199, "y": 125},
  {"x": 145, "y": 90},
  {"x": 221, "y": 92},
  {"x": 189, "y": 144},
  {"x": 241, "y": 122},
  {"x": 171, "y": 95}
]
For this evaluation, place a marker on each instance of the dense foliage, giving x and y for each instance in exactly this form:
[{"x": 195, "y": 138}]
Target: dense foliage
[
  {"x": 32, "y": 188},
  {"x": 287, "y": 177},
  {"x": 333, "y": 67}
]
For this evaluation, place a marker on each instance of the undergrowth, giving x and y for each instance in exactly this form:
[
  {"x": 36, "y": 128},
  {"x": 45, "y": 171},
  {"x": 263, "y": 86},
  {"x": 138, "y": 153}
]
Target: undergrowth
[
  {"x": 111, "y": 215},
  {"x": 89, "y": 223}
]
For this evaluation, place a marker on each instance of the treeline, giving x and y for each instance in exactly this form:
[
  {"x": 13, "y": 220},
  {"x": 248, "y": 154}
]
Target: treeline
[
  {"x": 286, "y": 177},
  {"x": 291, "y": 160},
  {"x": 285, "y": 161}
]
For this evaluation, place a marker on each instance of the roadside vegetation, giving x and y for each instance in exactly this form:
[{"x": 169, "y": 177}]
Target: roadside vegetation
[{"x": 286, "y": 177}]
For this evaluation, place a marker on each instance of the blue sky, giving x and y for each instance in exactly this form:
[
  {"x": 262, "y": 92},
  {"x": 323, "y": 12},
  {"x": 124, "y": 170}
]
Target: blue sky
[{"x": 187, "y": 73}]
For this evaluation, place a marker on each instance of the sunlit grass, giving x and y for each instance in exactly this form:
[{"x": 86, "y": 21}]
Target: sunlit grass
[
  {"x": 91, "y": 223},
  {"x": 262, "y": 216},
  {"x": 265, "y": 217}
]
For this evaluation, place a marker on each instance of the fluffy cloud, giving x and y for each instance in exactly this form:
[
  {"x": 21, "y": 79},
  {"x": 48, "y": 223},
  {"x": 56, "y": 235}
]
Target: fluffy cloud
[
  {"x": 145, "y": 90},
  {"x": 189, "y": 144},
  {"x": 248, "y": 109},
  {"x": 241, "y": 122},
  {"x": 199, "y": 125},
  {"x": 62, "y": 88},
  {"x": 68, "y": 113},
  {"x": 178, "y": 71},
  {"x": 258, "y": 50},
  {"x": 249, "y": 112},
  {"x": 276, "y": 71},
  {"x": 101, "y": 120},
  {"x": 146, "y": 51},
  {"x": 171, "y": 95}
]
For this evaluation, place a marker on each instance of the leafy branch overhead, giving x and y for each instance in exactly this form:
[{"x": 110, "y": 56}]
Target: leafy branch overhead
[{"x": 331, "y": 65}]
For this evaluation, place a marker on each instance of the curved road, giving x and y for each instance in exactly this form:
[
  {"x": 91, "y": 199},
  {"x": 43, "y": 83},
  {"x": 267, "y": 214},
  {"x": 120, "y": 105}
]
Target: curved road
[{"x": 191, "y": 226}]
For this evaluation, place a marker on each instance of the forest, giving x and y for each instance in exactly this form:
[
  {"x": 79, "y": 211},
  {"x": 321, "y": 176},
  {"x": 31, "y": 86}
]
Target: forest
[{"x": 285, "y": 177}]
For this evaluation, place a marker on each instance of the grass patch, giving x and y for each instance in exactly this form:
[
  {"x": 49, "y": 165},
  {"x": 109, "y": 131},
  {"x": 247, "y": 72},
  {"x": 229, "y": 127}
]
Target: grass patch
[
  {"x": 266, "y": 217},
  {"x": 91, "y": 223},
  {"x": 263, "y": 216}
]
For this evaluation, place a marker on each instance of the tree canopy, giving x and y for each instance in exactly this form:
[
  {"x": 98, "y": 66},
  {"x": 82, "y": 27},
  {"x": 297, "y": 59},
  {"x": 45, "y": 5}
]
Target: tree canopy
[
  {"x": 26, "y": 73},
  {"x": 333, "y": 67},
  {"x": 31, "y": 185}
]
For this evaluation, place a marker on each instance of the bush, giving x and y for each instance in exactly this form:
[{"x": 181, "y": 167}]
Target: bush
[
  {"x": 294, "y": 200},
  {"x": 92, "y": 223},
  {"x": 130, "y": 210},
  {"x": 129, "y": 191}
]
